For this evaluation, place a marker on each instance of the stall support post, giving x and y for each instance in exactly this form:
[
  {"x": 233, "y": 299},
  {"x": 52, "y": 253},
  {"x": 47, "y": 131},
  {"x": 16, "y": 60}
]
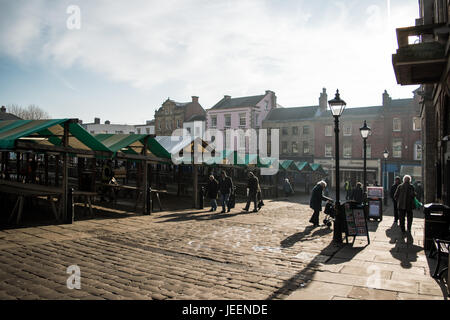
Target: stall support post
[
  {"x": 46, "y": 169},
  {"x": 18, "y": 166},
  {"x": 195, "y": 181},
  {"x": 65, "y": 177},
  {"x": 145, "y": 176}
]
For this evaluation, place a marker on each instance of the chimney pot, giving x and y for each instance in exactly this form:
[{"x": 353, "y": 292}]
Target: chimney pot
[
  {"x": 96, "y": 120},
  {"x": 107, "y": 122},
  {"x": 227, "y": 97},
  {"x": 3, "y": 109},
  {"x": 194, "y": 99}
]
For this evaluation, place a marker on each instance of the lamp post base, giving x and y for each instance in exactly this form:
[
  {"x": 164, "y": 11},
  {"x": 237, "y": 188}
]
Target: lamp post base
[{"x": 337, "y": 229}]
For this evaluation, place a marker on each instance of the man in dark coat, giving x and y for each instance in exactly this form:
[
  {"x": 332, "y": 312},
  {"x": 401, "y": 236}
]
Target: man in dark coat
[
  {"x": 316, "y": 201},
  {"x": 393, "y": 189},
  {"x": 213, "y": 190},
  {"x": 225, "y": 188},
  {"x": 405, "y": 195},
  {"x": 253, "y": 188},
  {"x": 358, "y": 193}
]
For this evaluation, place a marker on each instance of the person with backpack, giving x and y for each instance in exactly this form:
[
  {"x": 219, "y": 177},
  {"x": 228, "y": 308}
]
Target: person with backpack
[
  {"x": 213, "y": 190},
  {"x": 225, "y": 188},
  {"x": 253, "y": 188}
]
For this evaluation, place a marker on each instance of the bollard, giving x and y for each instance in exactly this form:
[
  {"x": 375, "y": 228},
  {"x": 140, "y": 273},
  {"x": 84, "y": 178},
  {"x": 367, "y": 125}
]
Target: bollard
[
  {"x": 70, "y": 209},
  {"x": 148, "y": 209},
  {"x": 202, "y": 197}
]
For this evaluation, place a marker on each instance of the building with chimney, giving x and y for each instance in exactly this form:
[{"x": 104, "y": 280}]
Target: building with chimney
[
  {"x": 240, "y": 113},
  {"x": 107, "y": 127},
  {"x": 307, "y": 134},
  {"x": 147, "y": 128},
  {"x": 172, "y": 115},
  {"x": 7, "y": 116}
]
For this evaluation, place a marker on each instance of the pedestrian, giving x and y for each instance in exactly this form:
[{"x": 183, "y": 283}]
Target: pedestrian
[
  {"x": 393, "y": 189},
  {"x": 225, "y": 188},
  {"x": 287, "y": 188},
  {"x": 315, "y": 202},
  {"x": 253, "y": 187},
  {"x": 405, "y": 195},
  {"x": 358, "y": 193},
  {"x": 213, "y": 190},
  {"x": 348, "y": 190},
  {"x": 419, "y": 190}
]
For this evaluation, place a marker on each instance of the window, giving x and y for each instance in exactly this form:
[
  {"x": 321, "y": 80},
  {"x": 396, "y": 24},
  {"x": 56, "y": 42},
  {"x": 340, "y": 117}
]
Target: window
[
  {"x": 167, "y": 124},
  {"x": 368, "y": 151},
  {"x": 294, "y": 147},
  {"x": 92, "y": 131},
  {"x": 167, "y": 110},
  {"x": 305, "y": 147},
  {"x": 147, "y": 130},
  {"x": 417, "y": 124},
  {"x": 347, "y": 129},
  {"x": 159, "y": 125},
  {"x": 418, "y": 150},
  {"x": 228, "y": 121},
  {"x": 397, "y": 148},
  {"x": 118, "y": 131},
  {"x": 328, "y": 151},
  {"x": 178, "y": 123},
  {"x": 284, "y": 131},
  {"x": 328, "y": 131},
  {"x": 396, "y": 124},
  {"x": 295, "y": 130},
  {"x": 305, "y": 129},
  {"x": 188, "y": 130},
  {"x": 347, "y": 150},
  {"x": 256, "y": 120},
  {"x": 284, "y": 147},
  {"x": 139, "y": 130},
  {"x": 213, "y": 121},
  {"x": 242, "y": 119}
]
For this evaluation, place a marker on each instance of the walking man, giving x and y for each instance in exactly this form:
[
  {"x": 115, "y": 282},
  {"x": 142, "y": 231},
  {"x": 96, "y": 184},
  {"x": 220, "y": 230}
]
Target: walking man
[
  {"x": 213, "y": 190},
  {"x": 405, "y": 200},
  {"x": 393, "y": 189},
  {"x": 315, "y": 202},
  {"x": 253, "y": 187},
  {"x": 225, "y": 188},
  {"x": 348, "y": 190},
  {"x": 358, "y": 193}
]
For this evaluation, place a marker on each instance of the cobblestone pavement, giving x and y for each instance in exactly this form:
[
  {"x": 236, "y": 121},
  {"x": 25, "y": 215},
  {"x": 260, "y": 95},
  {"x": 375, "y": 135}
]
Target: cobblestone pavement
[{"x": 193, "y": 254}]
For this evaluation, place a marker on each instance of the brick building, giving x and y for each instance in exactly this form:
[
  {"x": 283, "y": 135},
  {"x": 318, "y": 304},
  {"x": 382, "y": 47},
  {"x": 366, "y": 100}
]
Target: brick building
[
  {"x": 395, "y": 126},
  {"x": 172, "y": 115}
]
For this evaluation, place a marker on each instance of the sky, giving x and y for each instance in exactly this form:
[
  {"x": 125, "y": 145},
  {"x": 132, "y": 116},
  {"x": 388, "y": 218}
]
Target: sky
[{"x": 120, "y": 60}]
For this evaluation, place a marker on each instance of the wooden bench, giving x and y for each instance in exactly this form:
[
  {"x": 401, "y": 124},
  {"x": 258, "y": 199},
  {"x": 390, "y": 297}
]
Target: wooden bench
[{"x": 441, "y": 248}]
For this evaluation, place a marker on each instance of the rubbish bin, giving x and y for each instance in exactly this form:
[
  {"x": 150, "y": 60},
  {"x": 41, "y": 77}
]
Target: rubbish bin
[{"x": 437, "y": 222}]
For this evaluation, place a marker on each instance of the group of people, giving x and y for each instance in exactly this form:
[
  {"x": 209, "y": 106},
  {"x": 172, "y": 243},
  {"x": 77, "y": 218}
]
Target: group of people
[
  {"x": 403, "y": 196},
  {"x": 224, "y": 187}
]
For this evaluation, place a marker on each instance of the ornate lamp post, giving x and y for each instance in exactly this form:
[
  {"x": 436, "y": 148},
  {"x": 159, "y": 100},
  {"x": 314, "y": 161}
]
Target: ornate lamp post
[
  {"x": 365, "y": 131},
  {"x": 337, "y": 106},
  {"x": 386, "y": 185}
]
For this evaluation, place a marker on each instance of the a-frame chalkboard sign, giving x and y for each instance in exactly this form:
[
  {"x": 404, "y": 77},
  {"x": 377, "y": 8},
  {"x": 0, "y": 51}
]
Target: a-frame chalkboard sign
[{"x": 355, "y": 221}]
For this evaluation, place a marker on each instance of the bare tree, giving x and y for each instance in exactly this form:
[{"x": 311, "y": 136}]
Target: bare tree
[{"x": 33, "y": 112}]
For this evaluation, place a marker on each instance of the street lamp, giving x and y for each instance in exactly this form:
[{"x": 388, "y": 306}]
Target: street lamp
[
  {"x": 365, "y": 131},
  {"x": 337, "y": 106},
  {"x": 385, "y": 155}
]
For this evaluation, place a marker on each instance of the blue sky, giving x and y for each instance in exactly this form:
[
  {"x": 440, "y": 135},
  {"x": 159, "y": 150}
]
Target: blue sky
[{"x": 127, "y": 57}]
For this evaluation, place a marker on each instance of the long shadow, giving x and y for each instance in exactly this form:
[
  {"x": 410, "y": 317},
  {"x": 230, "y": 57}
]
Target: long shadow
[
  {"x": 404, "y": 250},
  {"x": 302, "y": 278},
  {"x": 197, "y": 216},
  {"x": 300, "y": 236}
]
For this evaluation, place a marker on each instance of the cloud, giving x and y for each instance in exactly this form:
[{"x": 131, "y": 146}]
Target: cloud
[{"x": 214, "y": 47}]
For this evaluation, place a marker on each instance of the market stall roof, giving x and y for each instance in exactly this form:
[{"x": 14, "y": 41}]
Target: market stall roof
[
  {"x": 180, "y": 147},
  {"x": 267, "y": 162},
  {"x": 303, "y": 166},
  {"x": 47, "y": 135},
  {"x": 318, "y": 168}
]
